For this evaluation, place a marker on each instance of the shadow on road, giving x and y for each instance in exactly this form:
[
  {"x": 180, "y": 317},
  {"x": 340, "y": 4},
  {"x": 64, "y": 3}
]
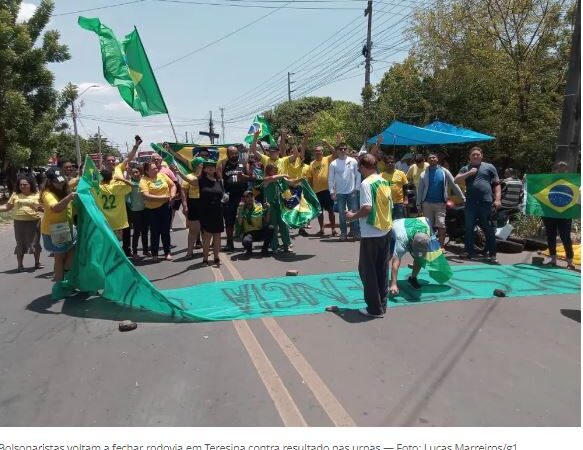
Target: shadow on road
[{"x": 573, "y": 314}]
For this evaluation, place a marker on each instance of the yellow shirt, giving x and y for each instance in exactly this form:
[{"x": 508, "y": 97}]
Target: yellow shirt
[
  {"x": 192, "y": 191},
  {"x": 23, "y": 206},
  {"x": 284, "y": 166},
  {"x": 156, "y": 186},
  {"x": 397, "y": 180},
  {"x": 414, "y": 174},
  {"x": 48, "y": 200},
  {"x": 318, "y": 174},
  {"x": 381, "y": 166},
  {"x": 73, "y": 183},
  {"x": 111, "y": 202},
  {"x": 119, "y": 169}
]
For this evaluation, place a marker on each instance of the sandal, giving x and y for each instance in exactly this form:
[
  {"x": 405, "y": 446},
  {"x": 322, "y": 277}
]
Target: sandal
[
  {"x": 205, "y": 262},
  {"x": 20, "y": 269},
  {"x": 334, "y": 233},
  {"x": 39, "y": 266},
  {"x": 320, "y": 233},
  {"x": 217, "y": 262}
]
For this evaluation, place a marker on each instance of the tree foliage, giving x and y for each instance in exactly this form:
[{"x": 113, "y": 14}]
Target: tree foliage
[
  {"x": 497, "y": 66},
  {"x": 28, "y": 101}
]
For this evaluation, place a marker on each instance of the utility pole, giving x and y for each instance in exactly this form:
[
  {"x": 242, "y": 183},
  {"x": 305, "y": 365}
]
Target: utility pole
[
  {"x": 289, "y": 83},
  {"x": 186, "y": 137},
  {"x": 367, "y": 50},
  {"x": 569, "y": 145},
  {"x": 223, "y": 124},
  {"x": 211, "y": 132},
  {"x": 77, "y": 147},
  {"x": 99, "y": 146}
]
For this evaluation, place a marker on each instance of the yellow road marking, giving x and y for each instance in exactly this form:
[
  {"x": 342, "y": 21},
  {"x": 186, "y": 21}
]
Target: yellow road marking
[
  {"x": 333, "y": 408},
  {"x": 282, "y": 399}
]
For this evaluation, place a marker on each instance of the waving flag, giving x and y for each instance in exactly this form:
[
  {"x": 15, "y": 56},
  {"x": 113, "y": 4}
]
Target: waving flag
[
  {"x": 554, "y": 195},
  {"x": 435, "y": 261},
  {"x": 260, "y": 123},
  {"x": 126, "y": 66},
  {"x": 299, "y": 204},
  {"x": 91, "y": 174}
]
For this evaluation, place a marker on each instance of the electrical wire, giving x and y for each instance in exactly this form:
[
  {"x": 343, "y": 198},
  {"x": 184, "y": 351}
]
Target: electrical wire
[{"x": 98, "y": 8}]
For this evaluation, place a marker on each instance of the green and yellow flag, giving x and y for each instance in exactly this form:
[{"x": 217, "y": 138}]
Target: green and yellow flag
[
  {"x": 126, "y": 66},
  {"x": 260, "y": 123},
  {"x": 299, "y": 204},
  {"x": 380, "y": 215},
  {"x": 554, "y": 195}
]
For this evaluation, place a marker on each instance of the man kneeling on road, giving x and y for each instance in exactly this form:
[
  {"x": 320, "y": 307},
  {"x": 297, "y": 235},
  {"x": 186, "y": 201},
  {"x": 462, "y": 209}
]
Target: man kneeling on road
[
  {"x": 253, "y": 218},
  {"x": 409, "y": 236}
]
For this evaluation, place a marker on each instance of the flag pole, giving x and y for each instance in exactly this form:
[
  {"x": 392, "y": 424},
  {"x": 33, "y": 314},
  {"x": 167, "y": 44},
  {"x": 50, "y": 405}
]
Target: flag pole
[
  {"x": 172, "y": 125},
  {"x": 157, "y": 85}
]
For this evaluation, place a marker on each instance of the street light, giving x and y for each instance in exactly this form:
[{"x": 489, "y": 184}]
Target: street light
[{"x": 74, "y": 114}]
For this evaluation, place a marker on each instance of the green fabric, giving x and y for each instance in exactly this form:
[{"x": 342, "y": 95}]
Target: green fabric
[
  {"x": 299, "y": 204},
  {"x": 126, "y": 66},
  {"x": 100, "y": 265},
  {"x": 553, "y": 195},
  {"x": 183, "y": 168},
  {"x": 435, "y": 261},
  {"x": 260, "y": 123}
]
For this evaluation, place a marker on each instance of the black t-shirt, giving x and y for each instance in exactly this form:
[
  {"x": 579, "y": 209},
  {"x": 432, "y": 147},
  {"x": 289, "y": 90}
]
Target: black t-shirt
[
  {"x": 234, "y": 183},
  {"x": 211, "y": 192}
]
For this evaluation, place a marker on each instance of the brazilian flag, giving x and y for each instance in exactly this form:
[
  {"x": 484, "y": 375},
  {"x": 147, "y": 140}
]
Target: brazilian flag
[
  {"x": 260, "y": 123},
  {"x": 126, "y": 66},
  {"x": 434, "y": 261},
  {"x": 554, "y": 195},
  {"x": 299, "y": 204},
  {"x": 91, "y": 174}
]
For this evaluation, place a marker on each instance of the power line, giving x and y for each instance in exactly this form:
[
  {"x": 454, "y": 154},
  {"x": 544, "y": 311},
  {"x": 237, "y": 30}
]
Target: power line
[
  {"x": 221, "y": 38},
  {"x": 324, "y": 75},
  {"x": 98, "y": 8},
  {"x": 246, "y": 5}
]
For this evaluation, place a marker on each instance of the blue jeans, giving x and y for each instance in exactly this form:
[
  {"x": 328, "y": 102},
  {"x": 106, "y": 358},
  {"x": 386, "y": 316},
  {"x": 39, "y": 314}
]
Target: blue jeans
[
  {"x": 398, "y": 211},
  {"x": 350, "y": 201},
  {"x": 480, "y": 211}
]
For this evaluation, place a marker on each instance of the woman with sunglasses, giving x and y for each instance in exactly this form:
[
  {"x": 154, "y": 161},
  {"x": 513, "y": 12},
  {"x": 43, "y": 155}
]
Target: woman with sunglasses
[
  {"x": 26, "y": 213},
  {"x": 57, "y": 229},
  {"x": 211, "y": 209}
]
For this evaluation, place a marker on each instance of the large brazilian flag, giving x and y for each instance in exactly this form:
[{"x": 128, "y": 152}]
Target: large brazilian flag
[
  {"x": 126, "y": 66},
  {"x": 554, "y": 195}
]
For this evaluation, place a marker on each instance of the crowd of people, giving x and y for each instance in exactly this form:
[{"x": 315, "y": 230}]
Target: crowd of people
[{"x": 373, "y": 193}]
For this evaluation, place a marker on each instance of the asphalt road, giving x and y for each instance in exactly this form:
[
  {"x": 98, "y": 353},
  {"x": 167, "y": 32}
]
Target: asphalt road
[{"x": 495, "y": 362}]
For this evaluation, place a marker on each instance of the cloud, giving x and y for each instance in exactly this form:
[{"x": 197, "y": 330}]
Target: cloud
[
  {"x": 26, "y": 12},
  {"x": 116, "y": 106}
]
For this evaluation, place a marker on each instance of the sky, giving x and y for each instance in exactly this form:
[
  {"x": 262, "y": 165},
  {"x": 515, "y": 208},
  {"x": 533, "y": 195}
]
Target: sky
[{"x": 320, "y": 42}]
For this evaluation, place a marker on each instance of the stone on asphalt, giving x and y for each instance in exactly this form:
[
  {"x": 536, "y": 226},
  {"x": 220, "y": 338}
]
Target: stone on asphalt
[{"x": 127, "y": 325}]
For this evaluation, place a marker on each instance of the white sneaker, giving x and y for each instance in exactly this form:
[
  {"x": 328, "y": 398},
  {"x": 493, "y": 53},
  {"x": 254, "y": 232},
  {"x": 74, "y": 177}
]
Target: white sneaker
[{"x": 365, "y": 312}]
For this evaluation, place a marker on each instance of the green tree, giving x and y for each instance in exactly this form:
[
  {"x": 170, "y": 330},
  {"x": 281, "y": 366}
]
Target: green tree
[
  {"x": 495, "y": 66},
  {"x": 292, "y": 115},
  {"x": 28, "y": 100},
  {"x": 343, "y": 117}
]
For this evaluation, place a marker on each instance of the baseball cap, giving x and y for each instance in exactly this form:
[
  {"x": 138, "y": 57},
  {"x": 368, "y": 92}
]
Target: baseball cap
[
  {"x": 420, "y": 245},
  {"x": 55, "y": 175}
]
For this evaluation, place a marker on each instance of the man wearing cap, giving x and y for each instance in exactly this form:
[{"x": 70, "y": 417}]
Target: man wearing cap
[
  {"x": 409, "y": 236},
  {"x": 253, "y": 218}
]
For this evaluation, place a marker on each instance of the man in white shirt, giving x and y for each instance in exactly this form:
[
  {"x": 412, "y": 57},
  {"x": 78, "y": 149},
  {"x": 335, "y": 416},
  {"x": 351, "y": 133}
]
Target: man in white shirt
[
  {"x": 375, "y": 220},
  {"x": 343, "y": 183}
]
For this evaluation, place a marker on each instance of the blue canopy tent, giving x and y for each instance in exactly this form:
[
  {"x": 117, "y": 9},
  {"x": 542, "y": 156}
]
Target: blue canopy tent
[{"x": 436, "y": 133}]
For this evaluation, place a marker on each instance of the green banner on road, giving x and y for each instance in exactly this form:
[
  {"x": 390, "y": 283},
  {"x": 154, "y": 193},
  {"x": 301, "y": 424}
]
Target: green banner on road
[{"x": 100, "y": 267}]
